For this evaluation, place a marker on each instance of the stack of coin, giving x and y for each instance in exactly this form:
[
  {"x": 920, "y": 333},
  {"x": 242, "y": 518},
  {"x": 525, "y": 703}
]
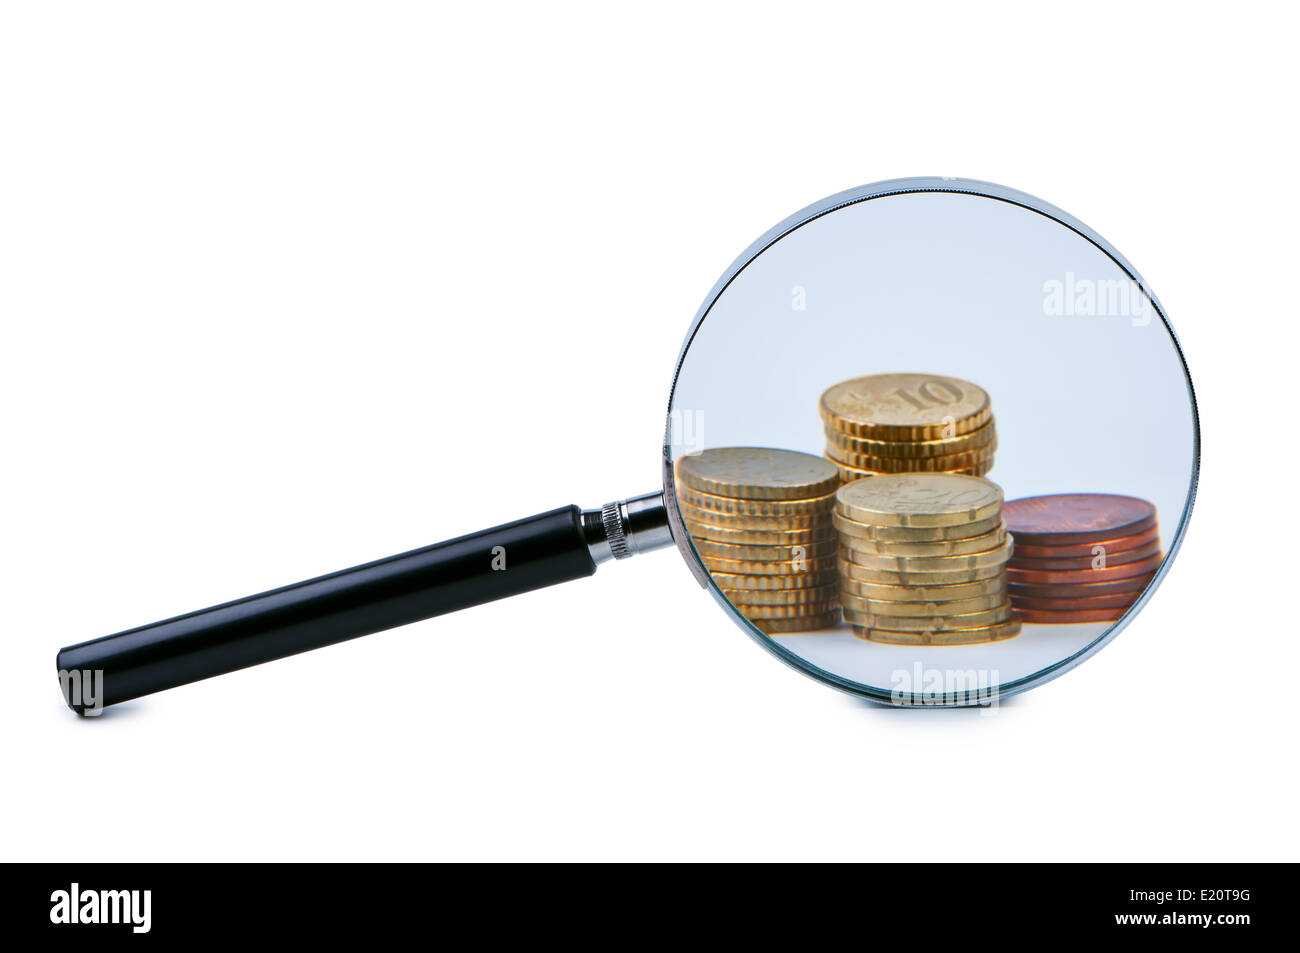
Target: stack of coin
[
  {"x": 1081, "y": 557},
  {"x": 908, "y": 423},
  {"x": 923, "y": 559},
  {"x": 760, "y": 520}
]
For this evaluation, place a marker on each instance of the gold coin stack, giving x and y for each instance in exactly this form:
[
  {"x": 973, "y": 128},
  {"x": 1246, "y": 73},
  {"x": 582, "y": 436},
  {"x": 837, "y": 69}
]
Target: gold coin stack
[
  {"x": 923, "y": 559},
  {"x": 760, "y": 520},
  {"x": 908, "y": 423}
]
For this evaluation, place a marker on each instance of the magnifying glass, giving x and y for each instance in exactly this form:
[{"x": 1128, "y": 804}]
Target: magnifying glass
[{"x": 930, "y": 441}]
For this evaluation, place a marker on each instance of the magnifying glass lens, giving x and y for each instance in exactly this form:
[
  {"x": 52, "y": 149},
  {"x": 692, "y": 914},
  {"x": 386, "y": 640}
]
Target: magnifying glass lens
[{"x": 922, "y": 440}]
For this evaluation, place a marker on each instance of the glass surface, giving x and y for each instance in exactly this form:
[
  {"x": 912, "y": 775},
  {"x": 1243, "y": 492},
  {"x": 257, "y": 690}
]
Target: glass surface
[{"x": 1088, "y": 389}]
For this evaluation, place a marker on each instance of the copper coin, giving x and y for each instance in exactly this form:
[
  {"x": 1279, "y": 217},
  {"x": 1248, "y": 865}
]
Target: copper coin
[
  {"x": 1038, "y": 617},
  {"x": 1116, "y": 545},
  {"x": 1080, "y": 590},
  {"x": 1070, "y": 518},
  {"x": 1041, "y": 577},
  {"x": 1120, "y": 600},
  {"x": 1087, "y": 562}
]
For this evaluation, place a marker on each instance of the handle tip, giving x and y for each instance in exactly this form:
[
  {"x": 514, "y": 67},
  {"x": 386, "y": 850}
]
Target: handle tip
[{"x": 82, "y": 689}]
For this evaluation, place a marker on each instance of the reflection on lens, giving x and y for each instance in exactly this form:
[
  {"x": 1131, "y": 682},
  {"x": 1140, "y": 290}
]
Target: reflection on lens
[{"x": 931, "y": 351}]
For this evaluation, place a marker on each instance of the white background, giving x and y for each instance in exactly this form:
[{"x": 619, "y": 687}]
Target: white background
[{"x": 289, "y": 287}]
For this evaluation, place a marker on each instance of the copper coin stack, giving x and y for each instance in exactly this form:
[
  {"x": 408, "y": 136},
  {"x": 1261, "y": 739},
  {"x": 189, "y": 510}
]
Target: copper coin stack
[
  {"x": 1080, "y": 557},
  {"x": 923, "y": 559},
  {"x": 908, "y": 423},
  {"x": 760, "y": 520}
]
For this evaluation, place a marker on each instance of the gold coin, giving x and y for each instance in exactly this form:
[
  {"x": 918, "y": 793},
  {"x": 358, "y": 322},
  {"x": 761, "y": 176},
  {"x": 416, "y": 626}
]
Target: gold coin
[
  {"x": 997, "y": 556},
  {"x": 744, "y": 598},
  {"x": 742, "y": 567},
  {"x": 824, "y": 620},
  {"x": 786, "y": 612},
  {"x": 889, "y": 577},
  {"x": 943, "y": 447},
  {"x": 936, "y": 547},
  {"x": 943, "y": 623},
  {"x": 766, "y": 554},
  {"x": 919, "y": 499},
  {"x": 926, "y": 610},
  {"x": 757, "y": 473},
  {"x": 849, "y": 474},
  {"x": 748, "y": 537},
  {"x": 957, "y": 461},
  {"x": 879, "y": 592},
  {"x": 710, "y": 517},
  {"x": 795, "y": 580},
  {"x": 725, "y": 504},
  {"x": 905, "y": 407},
  {"x": 990, "y": 633},
  {"x": 863, "y": 533}
]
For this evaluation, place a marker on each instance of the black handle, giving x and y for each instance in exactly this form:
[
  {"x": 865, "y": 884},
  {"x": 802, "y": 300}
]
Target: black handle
[{"x": 503, "y": 561}]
